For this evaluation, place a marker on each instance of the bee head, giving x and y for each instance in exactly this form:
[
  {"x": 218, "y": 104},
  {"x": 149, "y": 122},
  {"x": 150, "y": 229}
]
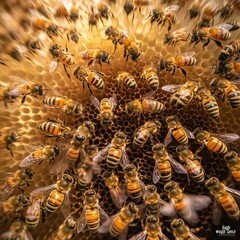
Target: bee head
[
  {"x": 135, "y": 56},
  {"x": 74, "y": 15},
  {"x": 76, "y": 71},
  {"x": 90, "y": 125},
  {"x": 155, "y": 15},
  {"x": 14, "y": 137},
  {"x": 152, "y": 219},
  {"x": 29, "y": 172},
  {"x": 170, "y": 186},
  {"x": 67, "y": 179},
  {"x": 55, "y": 50},
  {"x": 161, "y": 65},
  {"x": 158, "y": 147},
  {"x": 213, "y": 181},
  {"x": 70, "y": 223},
  {"x": 90, "y": 196},
  {"x": 231, "y": 157},
  {"x": 151, "y": 188},
  {"x": 167, "y": 38},
  {"x": 23, "y": 199},
  {"x": 195, "y": 37},
  {"x": 109, "y": 31},
  {"x": 176, "y": 223},
  {"x": 132, "y": 207},
  {"x": 56, "y": 150},
  {"x": 128, "y": 7},
  {"x": 107, "y": 174},
  {"x": 105, "y": 56},
  {"x": 130, "y": 170}
]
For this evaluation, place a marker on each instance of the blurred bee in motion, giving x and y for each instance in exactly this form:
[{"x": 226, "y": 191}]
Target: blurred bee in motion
[
  {"x": 24, "y": 88},
  {"x": 117, "y": 192},
  {"x": 185, "y": 205},
  {"x": 105, "y": 109},
  {"x": 117, "y": 225},
  {"x": 227, "y": 9},
  {"x": 62, "y": 56},
  {"x": 235, "y": 25},
  {"x": 171, "y": 63},
  {"x": 163, "y": 163},
  {"x": 66, "y": 230},
  {"x": 223, "y": 196},
  {"x": 115, "y": 152},
  {"x": 91, "y": 77},
  {"x": 176, "y": 36},
  {"x": 92, "y": 214},
  {"x": 216, "y": 33},
  {"x": 103, "y": 9},
  {"x": 161, "y": 16},
  {"x": 175, "y": 129},
  {"x": 145, "y": 131},
  {"x": 134, "y": 185},
  {"x": 7, "y": 141},
  {"x": 18, "y": 179},
  {"x": 127, "y": 80},
  {"x": 194, "y": 10},
  {"x": 96, "y": 56},
  {"x": 93, "y": 17},
  {"x": 233, "y": 161},
  {"x": 150, "y": 76},
  {"x": 39, "y": 154},
  {"x": 214, "y": 142},
  {"x": 57, "y": 195},
  {"x": 228, "y": 69},
  {"x": 33, "y": 213},
  {"x": 227, "y": 90},
  {"x": 7, "y": 98},
  {"x": 73, "y": 34},
  {"x": 192, "y": 163},
  {"x": 68, "y": 106},
  {"x": 207, "y": 101},
  {"x": 152, "y": 229},
  {"x": 34, "y": 44},
  {"x": 128, "y": 7},
  {"x": 229, "y": 50},
  {"x": 63, "y": 9}
]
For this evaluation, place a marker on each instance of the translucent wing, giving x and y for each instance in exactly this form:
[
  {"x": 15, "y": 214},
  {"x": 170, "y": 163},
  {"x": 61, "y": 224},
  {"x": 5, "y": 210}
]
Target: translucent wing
[
  {"x": 95, "y": 103},
  {"x": 82, "y": 221},
  {"x": 53, "y": 65},
  {"x": 216, "y": 211},
  {"x": 118, "y": 196},
  {"x": 143, "y": 186},
  {"x": 33, "y": 210},
  {"x": 193, "y": 236},
  {"x": 149, "y": 94},
  {"x": 140, "y": 236},
  {"x": 171, "y": 88},
  {"x": 167, "y": 209},
  {"x": 31, "y": 148},
  {"x": 235, "y": 192},
  {"x": 102, "y": 153},
  {"x": 227, "y": 138},
  {"x": 171, "y": 8},
  {"x": 195, "y": 169},
  {"x": 236, "y": 81},
  {"x": 197, "y": 202},
  {"x": 113, "y": 101},
  {"x": 103, "y": 214},
  {"x": 178, "y": 167},
  {"x": 66, "y": 206},
  {"x": 124, "y": 160},
  {"x": 189, "y": 133},
  {"x": 162, "y": 236},
  {"x": 7, "y": 191},
  {"x": 30, "y": 159},
  {"x": 83, "y": 53},
  {"x": 189, "y": 54},
  {"x": 224, "y": 26},
  {"x": 27, "y": 235},
  {"x": 43, "y": 191},
  {"x": 67, "y": 4},
  {"x": 156, "y": 173},
  {"x": 7, "y": 235},
  {"x": 168, "y": 138},
  {"x": 18, "y": 80},
  {"x": 104, "y": 228}
]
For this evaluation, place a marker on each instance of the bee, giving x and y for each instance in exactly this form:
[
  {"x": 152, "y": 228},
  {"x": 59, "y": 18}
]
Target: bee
[
  {"x": 135, "y": 186},
  {"x": 226, "y": 10},
  {"x": 228, "y": 69},
  {"x": 114, "y": 34},
  {"x": 171, "y": 63},
  {"x": 128, "y": 6},
  {"x": 145, "y": 131},
  {"x": 127, "y": 80},
  {"x": 115, "y": 152},
  {"x": 235, "y": 25},
  {"x": 7, "y": 98},
  {"x": 34, "y": 44},
  {"x": 96, "y": 56},
  {"x": 103, "y": 9},
  {"x": 161, "y": 16},
  {"x": 181, "y": 230},
  {"x": 117, "y": 225},
  {"x": 229, "y": 50},
  {"x": 214, "y": 142},
  {"x": 91, "y": 77},
  {"x": 68, "y": 106},
  {"x": 66, "y": 230},
  {"x": 176, "y": 36},
  {"x": 117, "y": 193},
  {"x": 105, "y": 109},
  {"x": 223, "y": 196},
  {"x": 63, "y": 9},
  {"x": 57, "y": 195},
  {"x": 215, "y": 33},
  {"x": 185, "y": 205},
  {"x": 25, "y": 88},
  {"x": 93, "y": 17},
  {"x": 62, "y": 56},
  {"x": 180, "y": 133},
  {"x": 73, "y": 34},
  {"x": 56, "y": 128},
  {"x": 92, "y": 213},
  {"x": 152, "y": 230},
  {"x": 194, "y": 10},
  {"x": 233, "y": 161},
  {"x": 207, "y": 101},
  {"x": 39, "y": 154},
  {"x": 33, "y": 213},
  {"x": 192, "y": 163},
  {"x": 150, "y": 76},
  {"x": 163, "y": 163},
  {"x": 7, "y": 141},
  {"x": 18, "y": 179}
]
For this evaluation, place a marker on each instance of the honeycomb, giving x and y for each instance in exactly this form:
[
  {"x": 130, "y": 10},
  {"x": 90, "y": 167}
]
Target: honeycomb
[{"x": 26, "y": 118}]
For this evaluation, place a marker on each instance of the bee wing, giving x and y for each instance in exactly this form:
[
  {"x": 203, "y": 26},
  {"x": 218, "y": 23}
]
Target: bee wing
[
  {"x": 16, "y": 92},
  {"x": 66, "y": 206},
  {"x": 53, "y": 65},
  {"x": 195, "y": 168},
  {"x": 27, "y": 235},
  {"x": 31, "y": 148},
  {"x": 216, "y": 211},
  {"x": 82, "y": 221},
  {"x": 103, "y": 214},
  {"x": 7, "y": 191},
  {"x": 178, "y": 167},
  {"x": 33, "y": 210},
  {"x": 124, "y": 158},
  {"x": 43, "y": 191},
  {"x": 18, "y": 80},
  {"x": 171, "y": 88},
  {"x": 161, "y": 235},
  {"x": 29, "y": 160},
  {"x": 143, "y": 186},
  {"x": 156, "y": 173},
  {"x": 189, "y": 133},
  {"x": 149, "y": 94},
  {"x": 167, "y": 209},
  {"x": 95, "y": 103},
  {"x": 193, "y": 236},
  {"x": 235, "y": 192},
  {"x": 118, "y": 196},
  {"x": 7, "y": 235},
  {"x": 227, "y": 138},
  {"x": 104, "y": 228},
  {"x": 140, "y": 236},
  {"x": 197, "y": 202},
  {"x": 236, "y": 81},
  {"x": 168, "y": 138},
  {"x": 113, "y": 101},
  {"x": 102, "y": 153},
  {"x": 224, "y": 26},
  {"x": 189, "y": 54},
  {"x": 172, "y": 8},
  {"x": 67, "y": 4}
]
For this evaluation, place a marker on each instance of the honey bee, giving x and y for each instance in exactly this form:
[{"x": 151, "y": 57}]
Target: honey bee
[
  {"x": 135, "y": 186},
  {"x": 25, "y": 88},
  {"x": 171, "y": 63},
  {"x": 7, "y": 98},
  {"x": 228, "y": 69},
  {"x": 235, "y": 25},
  {"x": 215, "y": 33},
  {"x": 7, "y": 141},
  {"x": 114, "y": 34},
  {"x": 214, "y": 142},
  {"x": 223, "y": 196},
  {"x": 194, "y": 10},
  {"x": 128, "y": 6},
  {"x": 56, "y": 128},
  {"x": 57, "y": 195},
  {"x": 91, "y": 77},
  {"x": 63, "y": 9},
  {"x": 96, "y": 56},
  {"x": 68, "y": 106},
  {"x": 163, "y": 163},
  {"x": 105, "y": 109},
  {"x": 161, "y": 16},
  {"x": 207, "y": 101},
  {"x": 180, "y": 133},
  {"x": 115, "y": 152},
  {"x": 33, "y": 213},
  {"x": 185, "y": 205},
  {"x": 229, "y": 50},
  {"x": 152, "y": 230},
  {"x": 145, "y": 131},
  {"x": 103, "y": 9},
  {"x": 18, "y": 179},
  {"x": 117, "y": 193},
  {"x": 117, "y": 225},
  {"x": 181, "y": 231},
  {"x": 34, "y": 44},
  {"x": 176, "y": 36},
  {"x": 92, "y": 17},
  {"x": 73, "y": 34},
  {"x": 92, "y": 213},
  {"x": 66, "y": 230},
  {"x": 127, "y": 80},
  {"x": 150, "y": 76},
  {"x": 227, "y": 9},
  {"x": 233, "y": 162},
  {"x": 62, "y": 56},
  {"x": 192, "y": 163},
  {"x": 39, "y": 154}
]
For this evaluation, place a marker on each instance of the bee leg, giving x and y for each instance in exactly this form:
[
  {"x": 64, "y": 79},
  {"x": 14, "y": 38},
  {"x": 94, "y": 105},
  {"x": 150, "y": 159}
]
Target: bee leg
[
  {"x": 23, "y": 99},
  {"x": 206, "y": 43},
  {"x": 10, "y": 150},
  {"x": 65, "y": 69},
  {"x": 89, "y": 88},
  {"x": 91, "y": 62},
  {"x": 219, "y": 44},
  {"x": 184, "y": 72}
]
